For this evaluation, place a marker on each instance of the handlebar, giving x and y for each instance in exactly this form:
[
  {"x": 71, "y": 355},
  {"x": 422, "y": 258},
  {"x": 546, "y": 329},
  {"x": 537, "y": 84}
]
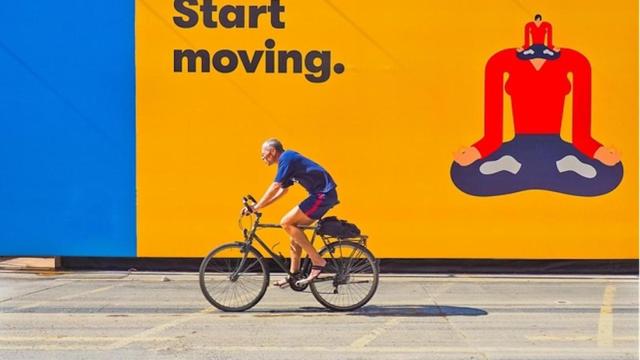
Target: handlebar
[{"x": 248, "y": 202}]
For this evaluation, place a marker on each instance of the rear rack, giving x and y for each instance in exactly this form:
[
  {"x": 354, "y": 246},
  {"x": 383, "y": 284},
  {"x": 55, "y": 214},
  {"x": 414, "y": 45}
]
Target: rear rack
[{"x": 360, "y": 239}]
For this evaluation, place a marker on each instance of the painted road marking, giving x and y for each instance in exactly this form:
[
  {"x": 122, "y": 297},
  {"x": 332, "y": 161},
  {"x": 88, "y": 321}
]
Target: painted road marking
[
  {"x": 366, "y": 339},
  {"x": 94, "y": 291},
  {"x": 66, "y": 297},
  {"x": 577, "y": 338},
  {"x": 605, "y": 323},
  {"x": 156, "y": 329}
]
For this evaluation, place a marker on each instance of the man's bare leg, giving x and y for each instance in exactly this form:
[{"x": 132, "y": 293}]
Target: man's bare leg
[
  {"x": 290, "y": 224},
  {"x": 296, "y": 252}
]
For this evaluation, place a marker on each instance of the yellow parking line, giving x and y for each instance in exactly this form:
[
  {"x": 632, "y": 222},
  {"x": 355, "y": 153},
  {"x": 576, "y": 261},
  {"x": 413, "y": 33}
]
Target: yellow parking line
[
  {"x": 366, "y": 339},
  {"x": 156, "y": 329},
  {"x": 605, "y": 323},
  {"x": 73, "y": 296},
  {"x": 578, "y": 338}
]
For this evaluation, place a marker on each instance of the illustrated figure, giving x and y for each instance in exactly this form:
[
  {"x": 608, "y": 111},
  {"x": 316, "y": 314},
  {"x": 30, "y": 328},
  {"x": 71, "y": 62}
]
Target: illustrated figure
[
  {"x": 538, "y": 41},
  {"x": 537, "y": 158}
]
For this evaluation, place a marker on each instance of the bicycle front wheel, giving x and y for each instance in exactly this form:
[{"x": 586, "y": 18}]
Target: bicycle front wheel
[
  {"x": 349, "y": 279},
  {"x": 234, "y": 277}
]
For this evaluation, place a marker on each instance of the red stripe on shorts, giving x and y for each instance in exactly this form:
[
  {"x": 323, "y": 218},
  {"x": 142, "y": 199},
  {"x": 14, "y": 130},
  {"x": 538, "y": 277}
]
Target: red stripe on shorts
[{"x": 316, "y": 205}]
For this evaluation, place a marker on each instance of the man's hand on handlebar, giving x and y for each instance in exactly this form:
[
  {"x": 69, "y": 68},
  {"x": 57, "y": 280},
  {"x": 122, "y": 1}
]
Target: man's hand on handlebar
[
  {"x": 247, "y": 210},
  {"x": 249, "y": 205}
]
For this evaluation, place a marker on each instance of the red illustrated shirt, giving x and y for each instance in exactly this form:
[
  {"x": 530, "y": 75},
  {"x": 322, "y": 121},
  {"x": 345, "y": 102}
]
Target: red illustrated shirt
[
  {"x": 537, "y": 98},
  {"x": 537, "y": 34}
]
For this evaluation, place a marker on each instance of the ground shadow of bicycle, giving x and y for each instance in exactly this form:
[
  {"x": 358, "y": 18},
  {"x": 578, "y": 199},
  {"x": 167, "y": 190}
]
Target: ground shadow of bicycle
[
  {"x": 417, "y": 310},
  {"x": 392, "y": 310}
]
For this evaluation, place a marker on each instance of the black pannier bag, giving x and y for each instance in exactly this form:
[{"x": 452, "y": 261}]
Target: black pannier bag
[{"x": 332, "y": 226}]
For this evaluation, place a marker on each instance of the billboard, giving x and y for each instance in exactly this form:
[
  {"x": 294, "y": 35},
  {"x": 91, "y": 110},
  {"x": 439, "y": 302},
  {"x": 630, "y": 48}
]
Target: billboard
[{"x": 451, "y": 130}]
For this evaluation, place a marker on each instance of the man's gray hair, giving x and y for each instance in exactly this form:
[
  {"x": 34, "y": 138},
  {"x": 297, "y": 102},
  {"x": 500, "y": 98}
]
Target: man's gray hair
[{"x": 274, "y": 143}]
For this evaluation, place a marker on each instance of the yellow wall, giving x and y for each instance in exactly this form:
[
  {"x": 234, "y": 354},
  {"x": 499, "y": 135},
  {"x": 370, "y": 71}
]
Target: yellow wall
[{"x": 386, "y": 128}]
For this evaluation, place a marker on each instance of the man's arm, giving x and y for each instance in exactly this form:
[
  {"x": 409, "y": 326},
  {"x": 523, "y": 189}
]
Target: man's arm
[{"x": 273, "y": 193}]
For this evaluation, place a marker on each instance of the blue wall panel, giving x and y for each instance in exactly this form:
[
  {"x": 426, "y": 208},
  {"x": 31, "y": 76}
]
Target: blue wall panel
[{"x": 67, "y": 128}]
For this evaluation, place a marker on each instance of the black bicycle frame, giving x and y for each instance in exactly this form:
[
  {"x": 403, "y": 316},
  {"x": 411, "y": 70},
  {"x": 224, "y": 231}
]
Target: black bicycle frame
[{"x": 251, "y": 235}]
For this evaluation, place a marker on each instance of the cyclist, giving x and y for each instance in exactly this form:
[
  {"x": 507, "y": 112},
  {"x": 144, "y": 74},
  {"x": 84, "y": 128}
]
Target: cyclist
[{"x": 293, "y": 167}]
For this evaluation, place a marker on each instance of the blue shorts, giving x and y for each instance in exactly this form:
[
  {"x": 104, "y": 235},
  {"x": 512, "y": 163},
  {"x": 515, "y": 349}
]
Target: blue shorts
[{"x": 316, "y": 205}]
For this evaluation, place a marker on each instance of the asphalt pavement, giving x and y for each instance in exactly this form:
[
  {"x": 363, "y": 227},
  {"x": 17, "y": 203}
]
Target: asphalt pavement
[{"x": 120, "y": 315}]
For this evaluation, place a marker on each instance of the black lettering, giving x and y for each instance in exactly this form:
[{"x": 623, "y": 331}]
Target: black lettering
[
  {"x": 268, "y": 61},
  {"x": 225, "y": 54},
  {"x": 324, "y": 68},
  {"x": 192, "y": 15},
  {"x": 238, "y": 16},
  {"x": 276, "y": 9},
  {"x": 283, "y": 56},
  {"x": 250, "y": 65},
  {"x": 254, "y": 14},
  {"x": 208, "y": 9},
  {"x": 190, "y": 55}
]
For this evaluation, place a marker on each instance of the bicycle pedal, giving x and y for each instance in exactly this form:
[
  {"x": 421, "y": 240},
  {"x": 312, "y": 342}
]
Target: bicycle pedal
[{"x": 303, "y": 282}]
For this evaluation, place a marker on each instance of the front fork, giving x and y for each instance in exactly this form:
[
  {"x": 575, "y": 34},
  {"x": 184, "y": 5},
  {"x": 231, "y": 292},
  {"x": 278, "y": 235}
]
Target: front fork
[{"x": 245, "y": 252}]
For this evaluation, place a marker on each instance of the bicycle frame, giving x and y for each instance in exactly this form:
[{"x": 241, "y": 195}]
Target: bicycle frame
[{"x": 250, "y": 235}]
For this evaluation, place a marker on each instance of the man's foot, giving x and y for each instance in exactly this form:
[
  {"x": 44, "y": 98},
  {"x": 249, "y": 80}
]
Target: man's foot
[
  {"x": 284, "y": 282},
  {"x": 316, "y": 270}
]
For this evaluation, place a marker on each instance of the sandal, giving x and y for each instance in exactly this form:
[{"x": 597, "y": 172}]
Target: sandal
[
  {"x": 284, "y": 282},
  {"x": 311, "y": 277}
]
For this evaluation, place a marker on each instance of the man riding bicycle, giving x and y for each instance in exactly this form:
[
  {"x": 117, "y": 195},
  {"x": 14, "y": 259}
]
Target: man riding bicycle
[{"x": 293, "y": 167}]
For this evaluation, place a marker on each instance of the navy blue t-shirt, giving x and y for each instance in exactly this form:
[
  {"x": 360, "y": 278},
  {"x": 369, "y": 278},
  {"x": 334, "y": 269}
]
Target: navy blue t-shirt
[{"x": 293, "y": 167}]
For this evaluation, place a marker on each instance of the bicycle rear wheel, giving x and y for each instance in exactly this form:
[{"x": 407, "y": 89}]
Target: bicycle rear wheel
[
  {"x": 349, "y": 279},
  {"x": 234, "y": 277}
]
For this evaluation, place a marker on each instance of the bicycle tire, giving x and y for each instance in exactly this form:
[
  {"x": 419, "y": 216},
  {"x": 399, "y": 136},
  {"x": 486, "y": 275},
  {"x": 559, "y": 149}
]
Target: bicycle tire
[
  {"x": 341, "y": 271},
  {"x": 220, "y": 274}
]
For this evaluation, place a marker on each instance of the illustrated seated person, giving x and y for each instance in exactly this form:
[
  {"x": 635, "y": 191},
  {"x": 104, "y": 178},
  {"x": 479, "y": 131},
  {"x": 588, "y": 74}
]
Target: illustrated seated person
[
  {"x": 537, "y": 158},
  {"x": 535, "y": 46}
]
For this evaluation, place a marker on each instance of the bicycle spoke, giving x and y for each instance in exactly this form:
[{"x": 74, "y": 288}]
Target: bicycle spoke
[
  {"x": 355, "y": 276},
  {"x": 233, "y": 278}
]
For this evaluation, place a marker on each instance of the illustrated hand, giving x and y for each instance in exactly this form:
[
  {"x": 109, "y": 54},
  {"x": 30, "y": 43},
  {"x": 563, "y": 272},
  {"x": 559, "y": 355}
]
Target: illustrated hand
[
  {"x": 607, "y": 155},
  {"x": 466, "y": 156},
  {"x": 519, "y": 49}
]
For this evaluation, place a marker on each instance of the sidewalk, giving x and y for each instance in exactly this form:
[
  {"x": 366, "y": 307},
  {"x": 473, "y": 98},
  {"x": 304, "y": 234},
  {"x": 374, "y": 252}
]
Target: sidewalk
[{"x": 27, "y": 263}]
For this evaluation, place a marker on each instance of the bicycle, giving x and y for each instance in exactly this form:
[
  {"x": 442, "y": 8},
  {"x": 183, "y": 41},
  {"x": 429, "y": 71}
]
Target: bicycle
[{"x": 235, "y": 276}]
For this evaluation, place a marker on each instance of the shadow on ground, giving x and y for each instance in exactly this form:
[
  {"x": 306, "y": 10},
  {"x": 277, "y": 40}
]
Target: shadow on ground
[
  {"x": 371, "y": 310},
  {"x": 417, "y": 310},
  {"x": 388, "y": 310}
]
